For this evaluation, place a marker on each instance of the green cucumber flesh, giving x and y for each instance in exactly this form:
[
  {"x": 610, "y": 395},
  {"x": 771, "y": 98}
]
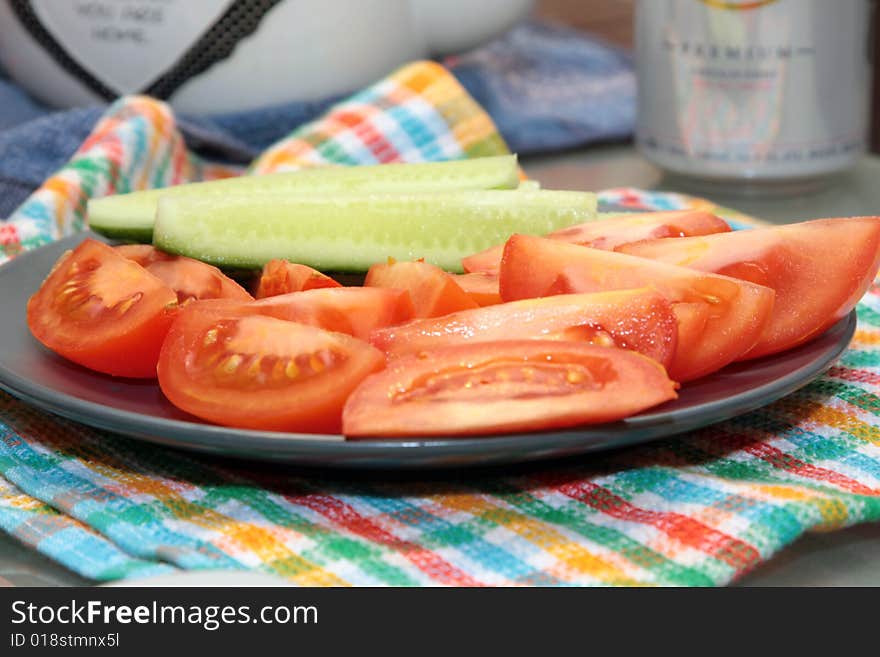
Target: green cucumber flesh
[
  {"x": 350, "y": 232},
  {"x": 131, "y": 216}
]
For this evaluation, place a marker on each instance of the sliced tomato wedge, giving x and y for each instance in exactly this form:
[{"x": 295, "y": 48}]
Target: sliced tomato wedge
[
  {"x": 623, "y": 229},
  {"x": 433, "y": 291},
  {"x": 356, "y": 311},
  {"x": 190, "y": 278},
  {"x": 482, "y": 287},
  {"x": 819, "y": 270},
  {"x": 143, "y": 254},
  {"x": 283, "y": 277},
  {"x": 103, "y": 311},
  {"x": 487, "y": 261},
  {"x": 641, "y": 320},
  {"x": 608, "y": 234},
  {"x": 722, "y": 319},
  {"x": 495, "y": 387},
  {"x": 250, "y": 371}
]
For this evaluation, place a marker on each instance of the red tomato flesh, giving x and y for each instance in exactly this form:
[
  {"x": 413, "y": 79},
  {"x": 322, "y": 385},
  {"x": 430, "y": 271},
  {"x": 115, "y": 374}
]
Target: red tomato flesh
[
  {"x": 190, "y": 278},
  {"x": 283, "y": 277},
  {"x": 611, "y": 233},
  {"x": 256, "y": 372},
  {"x": 482, "y": 287},
  {"x": 143, "y": 254},
  {"x": 730, "y": 313},
  {"x": 819, "y": 270},
  {"x": 641, "y": 320},
  {"x": 434, "y": 292},
  {"x": 355, "y": 311},
  {"x": 499, "y": 387},
  {"x": 103, "y": 311},
  {"x": 608, "y": 234}
]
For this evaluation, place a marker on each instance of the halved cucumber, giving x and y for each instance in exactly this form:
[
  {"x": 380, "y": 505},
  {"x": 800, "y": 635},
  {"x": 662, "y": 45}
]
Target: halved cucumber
[
  {"x": 131, "y": 216},
  {"x": 350, "y": 232}
]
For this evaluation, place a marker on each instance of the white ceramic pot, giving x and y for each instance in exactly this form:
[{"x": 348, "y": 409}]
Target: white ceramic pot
[{"x": 227, "y": 55}]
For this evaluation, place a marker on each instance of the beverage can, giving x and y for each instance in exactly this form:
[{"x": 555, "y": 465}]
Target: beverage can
[{"x": 767, "y": 91}]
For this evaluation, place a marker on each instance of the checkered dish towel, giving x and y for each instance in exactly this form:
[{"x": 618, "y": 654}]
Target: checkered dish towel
[{"x": 698, "y": 509}]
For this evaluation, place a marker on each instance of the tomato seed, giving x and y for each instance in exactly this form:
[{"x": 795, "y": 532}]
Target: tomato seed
[
  {"x": 292, "y": 371},
  {"x": 574, "y": 377},
  {"x": 210, "y": 337},
  {"x": 230, "y": 365},
  {"x": 253, "y": 370},
  {"x": 124, "y": 306}
]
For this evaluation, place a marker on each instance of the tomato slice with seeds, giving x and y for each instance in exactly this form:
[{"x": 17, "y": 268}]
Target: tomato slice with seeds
[
  {"x": 608, "y": 234},
  {"x": 194, "y": 280},
  {"x": 242, "y": 370},
  {"x": 190, "y": 278},
  {"x": 499, "y": 387},
  {"x": 283, "y": 277},
  {"x": 722, "y": 319},
  {"x": 104, "y": 311},
  {"x": 641, "y": 320},
  {"x": 434, "y": 292},
  {"x": 819, "y": 270}
]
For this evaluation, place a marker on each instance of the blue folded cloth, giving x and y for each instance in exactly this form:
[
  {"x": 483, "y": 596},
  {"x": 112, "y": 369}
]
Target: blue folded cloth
[{"x": 547, "y": 87}]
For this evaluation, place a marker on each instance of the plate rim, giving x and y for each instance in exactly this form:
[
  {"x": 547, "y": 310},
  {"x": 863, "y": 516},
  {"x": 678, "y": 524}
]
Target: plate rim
[{"x": 207, "y": 438}]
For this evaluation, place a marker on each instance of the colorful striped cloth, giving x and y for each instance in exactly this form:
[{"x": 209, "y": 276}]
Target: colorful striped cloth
[{"x": 699, "y": 509}]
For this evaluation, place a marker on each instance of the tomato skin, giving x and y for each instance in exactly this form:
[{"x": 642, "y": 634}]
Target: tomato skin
[
  {"x": 819, "y": 270},
  {"x": 482, "y": 287},
  {"x": 70, "y": 314},
  {"x": 608, "y": 234},
  {"x": 283, "y": 277},
  {"x": 190, "y": 278},
  {"x": 497, "y": 387},
  {"x": 231, "y": 367},
  {"x": 641, "y": 320},
  {"x": 732, "y": 317},
  {"x": 434, "y": 292}
]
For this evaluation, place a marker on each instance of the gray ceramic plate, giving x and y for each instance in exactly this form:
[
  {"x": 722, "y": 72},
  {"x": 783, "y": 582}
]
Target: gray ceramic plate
[{"x": 138, "y": 409}]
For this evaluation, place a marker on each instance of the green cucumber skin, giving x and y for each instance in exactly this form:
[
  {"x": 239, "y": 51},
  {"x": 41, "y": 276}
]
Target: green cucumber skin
[
  {"x": 131, "y": 216},
  {"x": 349, "y": 233},
  {"x": 126, "y": 234}
]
